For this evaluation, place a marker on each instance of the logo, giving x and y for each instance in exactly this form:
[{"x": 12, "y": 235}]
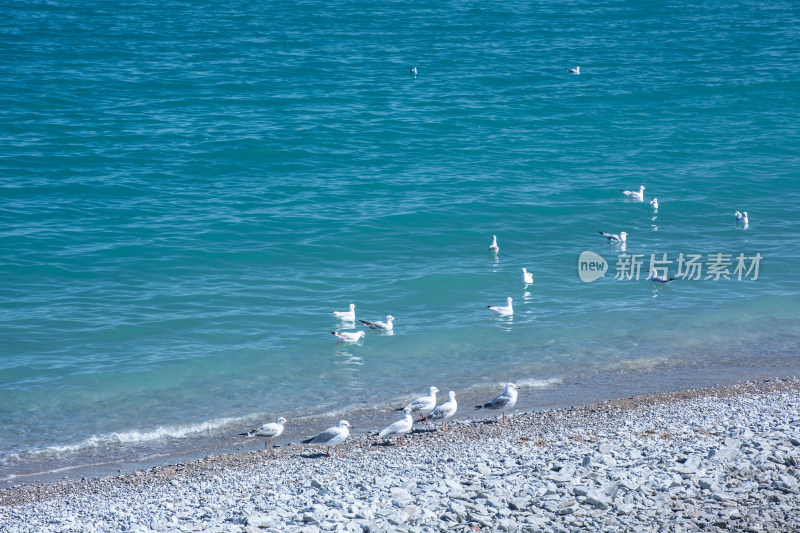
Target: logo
[{"x": 591, "y": 266}]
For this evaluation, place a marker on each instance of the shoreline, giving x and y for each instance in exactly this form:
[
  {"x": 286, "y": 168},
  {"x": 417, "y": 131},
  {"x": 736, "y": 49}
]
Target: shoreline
[{"x": 567, "y": 454}]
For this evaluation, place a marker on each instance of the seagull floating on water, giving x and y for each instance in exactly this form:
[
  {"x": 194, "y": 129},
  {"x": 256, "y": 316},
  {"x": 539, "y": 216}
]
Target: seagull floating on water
[
  {"x": 576, "y": 70},
  {"x": 270, "y": 430},
  {"x": 444, "y": 410},
  {"x": 654, "y": 203},
  {"x": 346, "y": 316},
  {"x": 505, "y": 400},
  {"x": 399, "y": 428},
  {"x": 413, "y": 70},
  {"x": 633, "y": 195},
  {"x": 741, "y": 218},
  {"x": 507, "y": 309},
  {"x": 493, "y": 247},
  {"x": 527, "y": 277},
  {"x": 349, "y": 336},
  {"x": 621, "y": 238},
  {"x": 332, "y": 436},
  {"x": 384, "y": 326},
  {"x": 658, "y": 279},
  {"x": 423, "y": 404}
]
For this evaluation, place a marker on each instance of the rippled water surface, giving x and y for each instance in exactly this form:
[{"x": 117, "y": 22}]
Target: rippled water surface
[{"x": 187, "y": 190}]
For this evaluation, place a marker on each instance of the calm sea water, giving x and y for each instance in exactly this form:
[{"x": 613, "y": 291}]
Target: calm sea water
[{"x": 188, "y": 189}]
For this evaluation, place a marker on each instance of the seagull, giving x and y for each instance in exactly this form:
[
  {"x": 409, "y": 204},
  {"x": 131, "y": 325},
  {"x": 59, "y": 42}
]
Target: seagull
[
  {"x": 527, "y": 277},
  {"x": 633, "y": 195},
  {"x": 493, "y": 247},
  {"x": 346, "y": 316},
  {"x": 332, "y": 436},
  {"x": 270, "y": 430},
  {"x": 742, "y": 217},
  {"x": 349, "y": 336},
  {"x": 503, "y": 310},
  {"x": 576, "y": 70},
  {"x": 616, "y": 239},
  {"x": 423, "y": 404},
  {"x": 654, "y": 203},
  {"x": 444, "y": 410},
  {"x": 385, "y": 326},
  {"x": 399, "y": 428},
  {"x": 504, "y": 401},
  {"x": 658, "y": 279},
  {"x": 413, "y": 70}
]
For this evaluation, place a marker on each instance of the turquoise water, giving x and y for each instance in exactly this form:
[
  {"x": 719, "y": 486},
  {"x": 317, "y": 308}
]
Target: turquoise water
[{"x": 188, "y": 189}]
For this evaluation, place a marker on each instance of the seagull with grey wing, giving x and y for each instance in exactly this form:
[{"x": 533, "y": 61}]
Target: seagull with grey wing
[
  {"x": 444, "y": 410},
  {"x": 270, "y": 430},
  {"x": 399, "y": 428},
  {"x": 506, "y": 400},
  {"x": 332, "y": 436}
]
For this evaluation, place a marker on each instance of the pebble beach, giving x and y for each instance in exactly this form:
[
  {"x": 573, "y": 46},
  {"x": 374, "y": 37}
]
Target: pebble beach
[{"x": 716, "y": 459}]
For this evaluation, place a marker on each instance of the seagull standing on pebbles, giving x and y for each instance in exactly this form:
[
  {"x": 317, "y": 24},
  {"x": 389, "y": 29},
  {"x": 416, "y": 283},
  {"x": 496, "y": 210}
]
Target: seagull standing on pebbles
[
  {"x": 349, "y": 336},
  {"x": 384, "y": 326},
  {"x": 444, "y": 410},
  {"x": 270, "y": 430},
  {"x": 346, "y": 316},
  {"x": 506, "y": 400},
  {"x": 493, "y": 247},
  {"x": 399, "y": 428},
  {"x": 633, "y": 195},
  {"x": 423, "y": 404},
  {"x": 332, "y": 436},
  {"x": 503, "y": 310}
]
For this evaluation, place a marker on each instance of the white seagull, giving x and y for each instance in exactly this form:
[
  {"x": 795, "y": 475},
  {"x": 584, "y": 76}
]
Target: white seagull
[
  {"x": 616, "y": 239},
  {"x": 527, "y": 277},
  {"x": 270, "y": 430},
  {"x": 346, "y": 316},
  {"x": 385, "y": 326},
  {"x": 741, "y": 217},
  {"x": 658, "y": 279},
  {"x": 503, "y": 310},
  {"x": 576, "y": 70},
  {"x": 506, "y": 400},
  {"x": 493, "y": 247},
  {"x": 444, "y": 410},
  {"x": 654, "y": 203},
  {"x": 423, "y": 404},
  {"x": 332, "y": 436},
  {"x": 349, "y": 336},
  {"x": 399, "y": 428},
  {"x": 413, "y": 70},
  {"x": 633, "y": 195}
]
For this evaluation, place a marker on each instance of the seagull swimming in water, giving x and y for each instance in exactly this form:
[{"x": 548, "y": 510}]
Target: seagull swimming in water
[
  {"x": 503, "y": 310},
  {"x": 399, "y": 428},
  {"x": 633, "y": 195},
  {"x": 444, "y": 410},
  {"x": 576, "y": 70},
  {"x": 423, "y": 404},
  {"x": 527, "y": 277},
  {"x": 741, "y": 217},
  {"x": 658, "y": 279},
  {"x": 346, "y": 316},
  {"x": 383, "y": 326},
  {"x": 654, "y": 203},
  {"x": 270, "y": 430},
  {"x": 413, "y": 70},
  {"x": 493, "y": 247},
  {"x": 616, "y": 239},
  {"x": 505, "y": 400},
  {"x": 332, "y": 436},
  {"x": 349, "y": 336}
]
